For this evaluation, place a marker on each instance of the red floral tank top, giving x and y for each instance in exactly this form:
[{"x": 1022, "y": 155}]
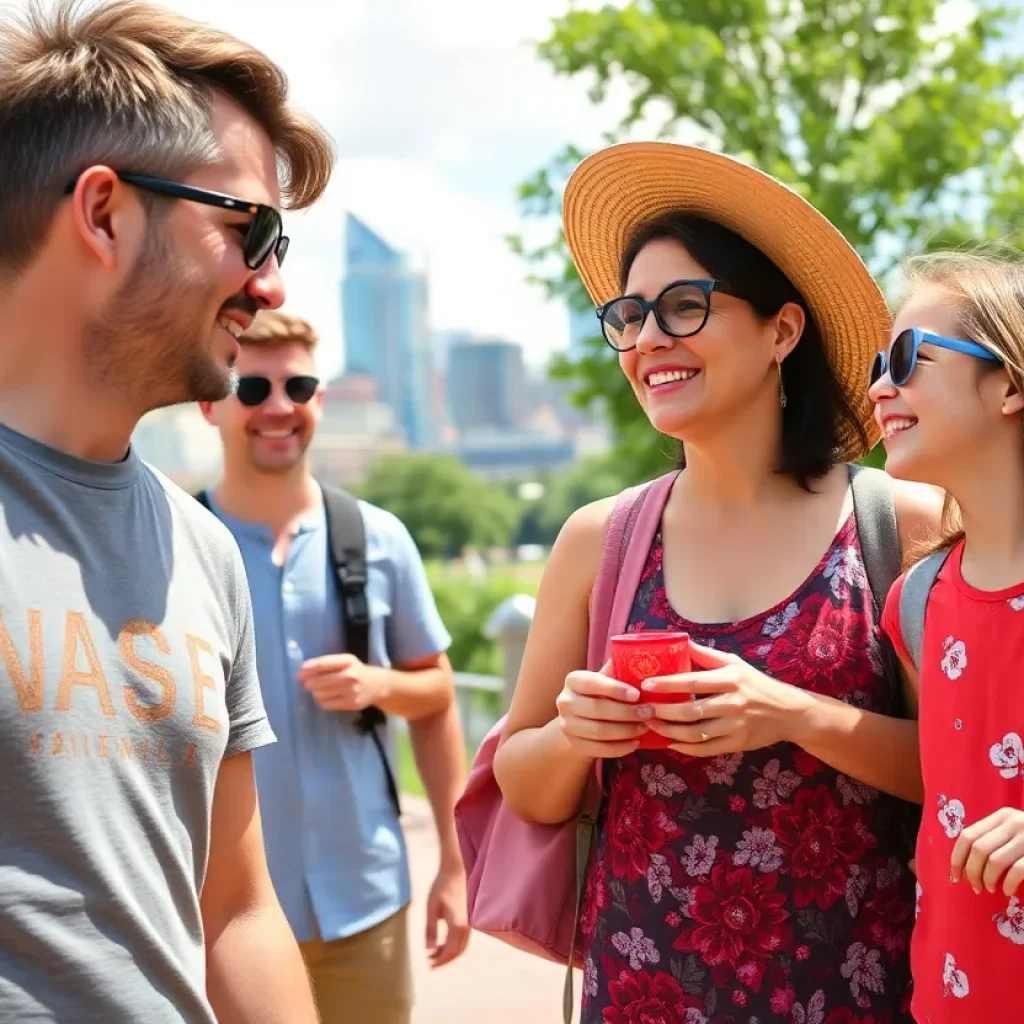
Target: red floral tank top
[{"x": 762, "y": 886}]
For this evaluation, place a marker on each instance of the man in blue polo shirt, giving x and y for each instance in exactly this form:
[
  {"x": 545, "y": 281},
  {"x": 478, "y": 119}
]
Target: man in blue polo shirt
[{"x": 335, "y": 847}]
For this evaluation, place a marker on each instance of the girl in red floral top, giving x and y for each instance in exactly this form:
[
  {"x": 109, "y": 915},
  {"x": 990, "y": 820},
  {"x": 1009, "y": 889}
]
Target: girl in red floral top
[
  {"x": 949, "y": 395},
  {"x": 756, "y": 870}
]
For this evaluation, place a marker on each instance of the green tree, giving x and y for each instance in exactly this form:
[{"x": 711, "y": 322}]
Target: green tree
[
  {"x": 895, "y": 123},
  {"x": 580, "y": 484},
  {"x": 445, "y": 506}
]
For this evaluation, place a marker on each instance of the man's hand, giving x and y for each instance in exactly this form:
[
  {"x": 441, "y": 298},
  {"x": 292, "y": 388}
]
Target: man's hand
[
  {"x": 447, "y": 902},
  {"x": 341, "y": 682}
]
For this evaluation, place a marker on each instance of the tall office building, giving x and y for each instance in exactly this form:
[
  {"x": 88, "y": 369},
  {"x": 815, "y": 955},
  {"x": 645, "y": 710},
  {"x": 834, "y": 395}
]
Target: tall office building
[
  {"x": 384, "y": 305},
  {"x": 486, "y": 384}
]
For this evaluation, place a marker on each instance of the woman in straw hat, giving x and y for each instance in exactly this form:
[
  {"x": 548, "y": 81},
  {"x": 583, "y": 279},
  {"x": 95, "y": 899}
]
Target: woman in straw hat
[{"x": 757, "y": 869}]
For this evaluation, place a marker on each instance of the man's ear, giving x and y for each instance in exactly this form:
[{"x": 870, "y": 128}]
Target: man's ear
[
  {"x": 206, "y": 408},
  {"x": 109, "y": 224}
]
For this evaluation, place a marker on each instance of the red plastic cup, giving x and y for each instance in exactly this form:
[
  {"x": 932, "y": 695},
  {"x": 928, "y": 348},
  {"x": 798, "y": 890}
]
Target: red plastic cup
[{"x": 644, "y": 655}]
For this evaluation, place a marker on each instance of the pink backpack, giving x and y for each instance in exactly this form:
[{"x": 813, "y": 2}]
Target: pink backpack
[{"x": 526, "y": 881}]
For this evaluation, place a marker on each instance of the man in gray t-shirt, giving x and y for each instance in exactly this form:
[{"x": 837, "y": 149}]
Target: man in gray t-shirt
[{"x": 139, "y": 235}]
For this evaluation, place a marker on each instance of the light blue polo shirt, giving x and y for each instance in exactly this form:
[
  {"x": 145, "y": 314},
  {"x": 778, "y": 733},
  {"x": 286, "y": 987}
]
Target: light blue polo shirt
[{"x": 335, "y": 849}]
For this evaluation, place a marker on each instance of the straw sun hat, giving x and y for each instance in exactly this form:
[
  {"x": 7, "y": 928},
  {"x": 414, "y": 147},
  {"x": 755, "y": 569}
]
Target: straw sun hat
[{"x": 616, "y": 190}]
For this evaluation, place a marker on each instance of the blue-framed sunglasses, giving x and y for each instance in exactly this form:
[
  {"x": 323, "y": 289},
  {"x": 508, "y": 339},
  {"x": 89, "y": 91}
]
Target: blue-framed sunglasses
[{"x": 901, "y": 359}]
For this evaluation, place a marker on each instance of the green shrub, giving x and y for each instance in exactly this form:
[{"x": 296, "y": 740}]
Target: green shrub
[{"x": 465, "y": 605}]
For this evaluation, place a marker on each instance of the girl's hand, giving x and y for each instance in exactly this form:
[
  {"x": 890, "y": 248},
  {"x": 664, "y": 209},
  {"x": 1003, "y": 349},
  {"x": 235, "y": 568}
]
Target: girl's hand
[
  {"x": 737, "y": 708},
  {"x": 990, "y": 850},
  {"x": 600, "y": 716}
]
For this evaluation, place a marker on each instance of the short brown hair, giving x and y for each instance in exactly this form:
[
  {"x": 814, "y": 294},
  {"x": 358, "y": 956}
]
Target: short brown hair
[
  {"x": 272, "y": 327},
  {"x": 129, "y": 84}
]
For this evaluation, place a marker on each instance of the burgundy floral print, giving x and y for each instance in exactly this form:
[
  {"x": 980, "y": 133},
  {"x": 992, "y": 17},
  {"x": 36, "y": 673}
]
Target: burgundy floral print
[{"x": 762, "y": 886}]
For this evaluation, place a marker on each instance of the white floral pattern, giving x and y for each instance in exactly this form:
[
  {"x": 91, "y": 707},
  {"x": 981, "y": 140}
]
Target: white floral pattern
[
  {"x": 774, "y": 785},
  {"x": 758, "y": 849},
  {"x": 856, "y": 887},
  {"x": 951, "y": 816},
  {"x": 863, "y": 969},
  {"x": 640, "y": 949},
  {"x": 854, "y": 792},
  {"x": 954, "y": 659},
  {"x": 721, "y": 769},
  {"x": 844, "y": 570},
  {"x": 658, "y": 781},
  {"x": 954, "y": 981},
  {"x": 813, "y": 1014},
  {"x": 777, "y": 624},
  {"x": 659, "y": 876},
  {"x": 1011, "y": 923},
  {"x": 1016, "y": 603},
  {"x": 700, "y": 856},
  {"x": 1008, "y": 756}
]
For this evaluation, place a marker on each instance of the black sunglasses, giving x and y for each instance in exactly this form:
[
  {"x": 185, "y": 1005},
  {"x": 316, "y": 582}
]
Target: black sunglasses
[
  {"x": 256, "y": 390},
  {"x": 265, "y": 235},
  {"x": 681, "y": 310}
]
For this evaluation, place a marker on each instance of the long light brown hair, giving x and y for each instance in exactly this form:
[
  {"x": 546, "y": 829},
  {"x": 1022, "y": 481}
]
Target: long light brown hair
[
  {"x": 985, "y": 286},
  {"x": 129, "y": 84}
]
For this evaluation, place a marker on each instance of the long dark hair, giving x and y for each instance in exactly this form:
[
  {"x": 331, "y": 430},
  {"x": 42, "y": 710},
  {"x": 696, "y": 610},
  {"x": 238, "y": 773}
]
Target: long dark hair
[{"x": 818, "y": 412}]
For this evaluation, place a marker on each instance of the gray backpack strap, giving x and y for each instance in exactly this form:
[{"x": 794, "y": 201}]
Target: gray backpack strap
[
  {"x": 879, "y": 537},
  {"x": 876, "y": 527},
  {"x": 917, "y": 585}
]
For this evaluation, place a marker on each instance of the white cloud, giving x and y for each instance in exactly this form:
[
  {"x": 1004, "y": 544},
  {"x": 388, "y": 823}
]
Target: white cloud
[{"x": 438, "y": 111}]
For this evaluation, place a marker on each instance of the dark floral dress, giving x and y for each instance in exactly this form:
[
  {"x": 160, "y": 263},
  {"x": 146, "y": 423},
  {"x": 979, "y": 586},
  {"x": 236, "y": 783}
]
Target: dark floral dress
[{"x": 762, "y": 886}]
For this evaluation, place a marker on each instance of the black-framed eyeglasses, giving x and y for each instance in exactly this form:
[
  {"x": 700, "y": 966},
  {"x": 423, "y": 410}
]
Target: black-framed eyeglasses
[
  {"x": 265, "y": 235},
  {"x": 255, "y": 390},
  {"x": 901, "y": 359},
  {"x": 681, "y": 310}
]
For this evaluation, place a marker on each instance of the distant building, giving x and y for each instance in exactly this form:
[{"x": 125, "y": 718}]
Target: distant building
[
  {"x": 514, "y": 455},
  {"x": 486, "y": 385},
  {"x": 179, "y": 442},
  {"x": 356, "y": 430},
  {"x": 387, "y": 337}
]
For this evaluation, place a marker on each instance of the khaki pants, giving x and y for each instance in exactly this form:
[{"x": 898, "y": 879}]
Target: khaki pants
[{"x": 364, "y": 978}]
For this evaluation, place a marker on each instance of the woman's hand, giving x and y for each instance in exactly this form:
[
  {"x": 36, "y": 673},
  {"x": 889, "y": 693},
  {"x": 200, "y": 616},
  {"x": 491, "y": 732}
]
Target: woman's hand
[
  {"x": 737, "y": 708},
  {"x": 600, "y": 716},
  {"x": 991, "y": 851}
]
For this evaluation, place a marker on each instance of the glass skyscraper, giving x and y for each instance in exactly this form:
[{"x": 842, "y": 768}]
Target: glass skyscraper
[{"x": 384, "y": 306}]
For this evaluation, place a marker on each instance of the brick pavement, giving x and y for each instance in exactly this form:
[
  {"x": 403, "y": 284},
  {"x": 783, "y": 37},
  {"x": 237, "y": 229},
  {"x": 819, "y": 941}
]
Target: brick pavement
[{"x": 491, "y": 983}]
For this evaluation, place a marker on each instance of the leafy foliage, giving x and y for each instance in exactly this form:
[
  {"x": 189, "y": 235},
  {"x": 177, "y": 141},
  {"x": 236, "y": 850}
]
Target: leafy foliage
[
  {"x": 895, "y": 122},
  {"x": 445, "y": 506}
]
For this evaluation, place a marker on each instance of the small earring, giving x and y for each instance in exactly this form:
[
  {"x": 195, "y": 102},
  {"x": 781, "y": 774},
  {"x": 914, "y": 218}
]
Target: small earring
[{"x": 782, "y": 389}]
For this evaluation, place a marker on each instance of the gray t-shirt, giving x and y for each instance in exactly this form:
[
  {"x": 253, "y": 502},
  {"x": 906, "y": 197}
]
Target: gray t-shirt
[{"x": 127, "y": 674}]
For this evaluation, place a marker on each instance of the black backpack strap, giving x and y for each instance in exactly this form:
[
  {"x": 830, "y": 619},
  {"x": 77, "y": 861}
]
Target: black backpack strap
[
  {"x": 203, "y": 498},
  {"x": 346, "y": 539}
]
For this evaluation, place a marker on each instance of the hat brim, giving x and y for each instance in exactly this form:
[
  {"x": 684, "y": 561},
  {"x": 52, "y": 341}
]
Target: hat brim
[{"x": 618, "y": 189}]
